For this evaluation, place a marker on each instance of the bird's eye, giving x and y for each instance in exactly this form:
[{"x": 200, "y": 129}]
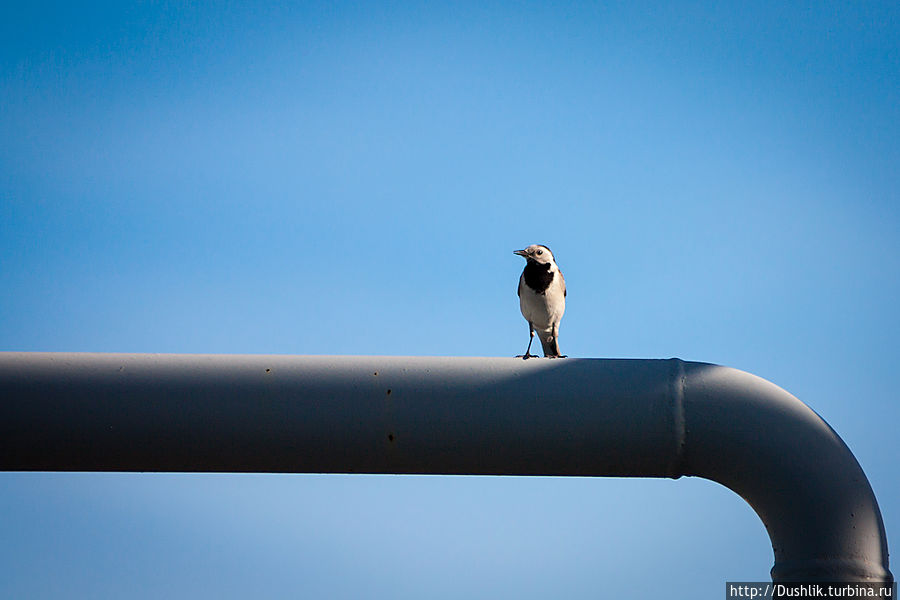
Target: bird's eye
[{"x": 540, "y": 252}]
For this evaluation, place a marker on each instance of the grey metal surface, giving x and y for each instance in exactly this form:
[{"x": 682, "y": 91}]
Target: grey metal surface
[{"x": 479, "y": 416}]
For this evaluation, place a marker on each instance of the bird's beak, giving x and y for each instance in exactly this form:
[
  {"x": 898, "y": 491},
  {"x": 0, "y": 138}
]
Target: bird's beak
[{"x": 520, "y": 252}]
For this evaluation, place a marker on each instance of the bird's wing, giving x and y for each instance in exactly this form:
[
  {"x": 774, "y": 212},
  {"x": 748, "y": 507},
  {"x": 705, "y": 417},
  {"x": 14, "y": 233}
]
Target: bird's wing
[
  {"x": 519, "y": 290},
  {"x": 562, "y": 280}
]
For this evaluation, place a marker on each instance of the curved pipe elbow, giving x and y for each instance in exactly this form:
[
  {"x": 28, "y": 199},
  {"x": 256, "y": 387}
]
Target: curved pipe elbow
[{"x": 791, "y": 467}]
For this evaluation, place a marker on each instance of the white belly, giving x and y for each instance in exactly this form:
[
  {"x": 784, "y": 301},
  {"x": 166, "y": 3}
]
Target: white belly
[{"x": 539, "y": 309}]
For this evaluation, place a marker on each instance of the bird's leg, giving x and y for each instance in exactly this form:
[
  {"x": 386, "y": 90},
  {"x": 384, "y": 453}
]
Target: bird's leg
[
  {"x": 528, "y": 353},
  {"x": 555, "y": 343}
]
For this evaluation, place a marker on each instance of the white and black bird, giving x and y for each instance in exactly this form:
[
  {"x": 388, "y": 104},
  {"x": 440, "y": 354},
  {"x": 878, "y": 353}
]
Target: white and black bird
[{"x": 542, "y": 298}]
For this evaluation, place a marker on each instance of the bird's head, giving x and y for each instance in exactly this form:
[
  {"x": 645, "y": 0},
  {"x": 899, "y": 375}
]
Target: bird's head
[{"x": 536, "y": 253}]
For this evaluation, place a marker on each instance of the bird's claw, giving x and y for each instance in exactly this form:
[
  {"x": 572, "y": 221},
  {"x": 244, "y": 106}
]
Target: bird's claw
[{"x": 526, "y": 356}]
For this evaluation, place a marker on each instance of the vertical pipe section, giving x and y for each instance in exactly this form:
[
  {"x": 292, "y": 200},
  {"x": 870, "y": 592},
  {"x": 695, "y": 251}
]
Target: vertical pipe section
[{"x": 476, "y": 416}]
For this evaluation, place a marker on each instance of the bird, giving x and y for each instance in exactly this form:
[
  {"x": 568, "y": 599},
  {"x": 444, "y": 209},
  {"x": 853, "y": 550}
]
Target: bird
[{"x": 542, "y": 298}]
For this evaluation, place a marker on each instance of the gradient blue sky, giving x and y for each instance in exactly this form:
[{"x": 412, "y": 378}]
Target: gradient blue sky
[{"x": 719, "y": 182}]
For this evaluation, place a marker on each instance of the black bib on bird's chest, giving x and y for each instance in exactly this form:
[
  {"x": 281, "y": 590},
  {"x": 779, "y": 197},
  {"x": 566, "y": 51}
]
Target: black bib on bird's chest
[{"x": 538, "y": 276}]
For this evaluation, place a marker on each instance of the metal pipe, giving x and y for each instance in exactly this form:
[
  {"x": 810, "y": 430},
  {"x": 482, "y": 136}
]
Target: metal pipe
[{"x": 475, "y": 416}]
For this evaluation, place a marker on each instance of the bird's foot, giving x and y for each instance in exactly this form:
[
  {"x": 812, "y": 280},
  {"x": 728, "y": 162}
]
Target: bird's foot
[
  {"x": 526, "y": 356},
  {"x": 558, "y": 356}
]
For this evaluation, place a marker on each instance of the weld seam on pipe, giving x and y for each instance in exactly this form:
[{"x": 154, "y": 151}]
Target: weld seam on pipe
[{"x": 676, "y": 390}]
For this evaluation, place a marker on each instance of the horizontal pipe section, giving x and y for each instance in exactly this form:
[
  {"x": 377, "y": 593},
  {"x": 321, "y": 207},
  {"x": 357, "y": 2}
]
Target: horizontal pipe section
[{"x": 468, "y": 416}]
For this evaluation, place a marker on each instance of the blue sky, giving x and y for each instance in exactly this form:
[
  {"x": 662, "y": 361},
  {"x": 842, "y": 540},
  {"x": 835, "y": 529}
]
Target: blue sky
[{"x": 719, "y": 182}]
